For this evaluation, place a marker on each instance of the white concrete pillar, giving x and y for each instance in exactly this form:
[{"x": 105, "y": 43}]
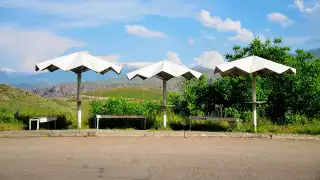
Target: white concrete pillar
[
  {"x": 79, "y": 100},
  {"x": 164, "y": 88},
  {"x": 254, "y": 103}
]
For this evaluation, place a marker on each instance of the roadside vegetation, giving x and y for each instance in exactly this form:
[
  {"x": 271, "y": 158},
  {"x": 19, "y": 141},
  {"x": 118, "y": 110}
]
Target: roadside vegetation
[
  {"x": 292, "y": 102},
  {"x": 134, "y": 93}
]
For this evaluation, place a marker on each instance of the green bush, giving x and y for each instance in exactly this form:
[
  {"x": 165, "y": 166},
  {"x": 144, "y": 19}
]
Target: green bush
[
  {"x": 13, "y": 125},
  {"x": 121, "y": 106},
  {"x": 20, "y": 119},
  {"x": 296, "y": 119},
  {"x": 6, "y": 116},
  {"x": 266, "y": 126},
  {"x": 232, "y": 112},
  {"x": 176, "y": 122},
  {"x": 246, "y": 116},
  {"x": 180, "y": 106}
]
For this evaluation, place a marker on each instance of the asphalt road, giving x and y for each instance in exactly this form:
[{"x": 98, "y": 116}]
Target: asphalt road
[{"x": 142, "y": 158}]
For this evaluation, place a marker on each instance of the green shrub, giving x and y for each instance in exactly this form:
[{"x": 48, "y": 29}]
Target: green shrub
[
  {"x": 176, "y": 122},
  {"x": 266, "y": 126},
  {"x": 121, "y": 106},
  {"x": 246, "y": 116},
  {"x": 296, "y": 119},
  {"x": 208, "y": 125},
  {"x": 6, "y": 117},
  {"x": 180, "y": 106},
  {"x": 232, "y": 112},
  {"x": 13, "y": 125}
]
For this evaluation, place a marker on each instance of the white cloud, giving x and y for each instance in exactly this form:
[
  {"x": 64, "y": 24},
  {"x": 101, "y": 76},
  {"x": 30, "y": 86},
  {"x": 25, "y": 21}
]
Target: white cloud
[
  {"x": 191, "y": 41},
  {"x": 282, "y": 19},
  {"x": 262, "y": 37},
  {"x": 267, "y": 30},
  {"x": 207, "y": 36},
  {"x": 27, "y": 47},
  {"x": 87, "y": 13},
  {"x": 301, "y": 6},
  {"x": 174, "y": 57},
  {"x": 115, "y": 59},
  {"x": 144, "y": 32},
  {"x": 7, "y": 70},
  {"x": 312, "y": 9},
  {"x": 210, "y": 37},
  {"x": 136, "y": 64},
  {"x": 215, "y": 22},
  {"x": 210, "y": 59},
  {"x": 242, "y": 34},
  {"x": 111, "y": 58}
]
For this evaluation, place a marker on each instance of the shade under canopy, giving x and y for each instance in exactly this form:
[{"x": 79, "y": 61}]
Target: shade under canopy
[
  {"x": 164, "y": 70},
  {"x": 78, "y": 63},
  {"x": 256, "y": 66}
]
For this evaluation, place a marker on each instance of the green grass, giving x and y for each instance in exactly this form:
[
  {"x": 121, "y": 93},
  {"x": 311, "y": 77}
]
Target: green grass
[
  {"x": 11, "y": 126},
  {"x": 26, "y": 104},
  {"x": 14, "y": 99},
  {"x": 137, "y": 93},
  {"x": 29, "y": 104},
  {"x": 268, "y": 127},
  {"x": 85, "y": 107}
]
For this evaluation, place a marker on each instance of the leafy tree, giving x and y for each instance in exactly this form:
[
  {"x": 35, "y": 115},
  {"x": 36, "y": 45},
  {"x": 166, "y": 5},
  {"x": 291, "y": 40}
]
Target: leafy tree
[{"x": 285, "y": 94}]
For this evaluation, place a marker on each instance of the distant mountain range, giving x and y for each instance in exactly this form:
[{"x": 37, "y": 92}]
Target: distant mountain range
[
  {"x": 62, "y": 83},
  {"x": 34, "y": 80},
  {"x": 68, "y": 89},
  {"x": 315, "y": 52}
]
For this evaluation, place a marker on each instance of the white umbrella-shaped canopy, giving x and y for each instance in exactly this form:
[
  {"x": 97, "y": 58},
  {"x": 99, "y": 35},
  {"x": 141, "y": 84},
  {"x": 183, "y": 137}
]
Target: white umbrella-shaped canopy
[
  {"x": 253, "y": 65},
  {"x": 78, "y": 63},
  {"x": 256, "y": 66},
  {"x": 164, "y": 70}
]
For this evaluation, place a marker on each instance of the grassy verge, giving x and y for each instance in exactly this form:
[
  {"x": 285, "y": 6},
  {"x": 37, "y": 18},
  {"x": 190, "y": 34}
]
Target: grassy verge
[
  {"x": 133, "y": 93},
  {"x": 11, "y": 126},
  {"x": 128, "y": 92},
  {"x": 312, "y": 128}
]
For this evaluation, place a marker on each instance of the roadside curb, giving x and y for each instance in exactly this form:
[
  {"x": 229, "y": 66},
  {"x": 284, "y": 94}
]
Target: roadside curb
[{"x": 137, "y": 133}]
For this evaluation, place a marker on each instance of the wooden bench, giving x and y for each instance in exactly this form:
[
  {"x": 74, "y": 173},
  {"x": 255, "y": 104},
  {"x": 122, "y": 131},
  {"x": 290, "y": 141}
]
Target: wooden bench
[
  {"x": 206, "y": 118},
  {"x": 42, "y": 120},
  {"x": 133, "y": 117}
]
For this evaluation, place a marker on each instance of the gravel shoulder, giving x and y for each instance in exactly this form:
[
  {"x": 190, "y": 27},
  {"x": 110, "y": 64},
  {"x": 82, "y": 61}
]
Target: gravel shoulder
[{"x": 139, "y": 133}]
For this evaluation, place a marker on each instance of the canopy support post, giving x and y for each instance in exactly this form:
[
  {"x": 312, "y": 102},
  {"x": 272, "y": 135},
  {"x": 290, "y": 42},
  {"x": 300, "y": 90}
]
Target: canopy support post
[
  {"x": 164, "y": 88},
  {"x": 254, "y": 101},
  {"x": 79, "y": 99}
]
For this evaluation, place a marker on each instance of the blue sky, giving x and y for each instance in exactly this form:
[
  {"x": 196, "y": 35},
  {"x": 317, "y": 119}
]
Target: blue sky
[{"x": 130, "y": 31}]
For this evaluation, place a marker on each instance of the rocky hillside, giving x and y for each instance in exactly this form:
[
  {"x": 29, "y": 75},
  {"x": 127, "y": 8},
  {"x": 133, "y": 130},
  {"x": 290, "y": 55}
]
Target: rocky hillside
[
  {"x": 14, "y": 99},
  {"x": 69, "y": 89}
]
